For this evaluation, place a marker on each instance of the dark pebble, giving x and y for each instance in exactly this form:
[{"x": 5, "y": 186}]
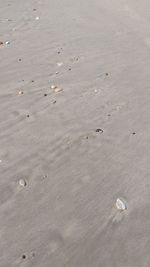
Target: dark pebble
[
  {"x": 45, "y": 94},
  {"x": 133, "y": 133},
  {"x": 24, "y": 257},
  {"x": 28, "y": 116}
]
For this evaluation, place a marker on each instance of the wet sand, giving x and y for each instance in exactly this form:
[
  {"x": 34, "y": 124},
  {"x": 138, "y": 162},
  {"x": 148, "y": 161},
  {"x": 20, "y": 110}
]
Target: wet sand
[{"x": 74, "y": 133}]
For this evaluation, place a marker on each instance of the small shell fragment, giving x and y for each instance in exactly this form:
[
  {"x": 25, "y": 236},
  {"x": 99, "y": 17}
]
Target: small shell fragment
[
  {"x": 58, "y": 89},
  {"x": 120, "y": 204},
  {"x": 37, "y": 18},
  {"x": 53, "y": 86},
  {"x": 22, "y": 182},
  {"x": 59, "y": 64},
  {"x": 20, "y": 93},
  {"x": 7, "y": 42}
]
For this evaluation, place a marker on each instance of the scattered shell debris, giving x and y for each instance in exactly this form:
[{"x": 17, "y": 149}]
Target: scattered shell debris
[
  {"x": 22, "y": 182},
  {"x": 120, "y": 204}
]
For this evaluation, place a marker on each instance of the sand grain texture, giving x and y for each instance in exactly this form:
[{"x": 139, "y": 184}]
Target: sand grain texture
[{"x": 65, "y": 215}]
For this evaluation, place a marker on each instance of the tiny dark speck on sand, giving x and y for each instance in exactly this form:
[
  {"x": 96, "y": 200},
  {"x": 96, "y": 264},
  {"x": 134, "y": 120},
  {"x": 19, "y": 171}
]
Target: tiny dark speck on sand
[
  {"x": 133, "y": 133},
  {"x": 24, "y": 257},
  {"x": 45, "y": 94},
  {"x": 106, "y": 74},
  {"x": 28, "y": 115},
  {"x": 99, "y": 130}
]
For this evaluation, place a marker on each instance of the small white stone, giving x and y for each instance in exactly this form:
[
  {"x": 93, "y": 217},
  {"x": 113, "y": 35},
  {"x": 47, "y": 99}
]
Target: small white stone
[
  {"x": 0, "y": 161},
  {"x": 120, "y": 204},
  {"x": 95, "y": 91},
  {"x": 37, "y": 18},
  {"x": 22, "y": 182}
]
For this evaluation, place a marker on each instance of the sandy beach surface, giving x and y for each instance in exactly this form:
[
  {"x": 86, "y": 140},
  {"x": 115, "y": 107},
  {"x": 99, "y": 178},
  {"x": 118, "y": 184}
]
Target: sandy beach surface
[{"x": 74, "y": 133}]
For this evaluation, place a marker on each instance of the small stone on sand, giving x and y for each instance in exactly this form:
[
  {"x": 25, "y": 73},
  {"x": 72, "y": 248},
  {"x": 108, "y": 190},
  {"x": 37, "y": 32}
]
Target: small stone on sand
[
  {"x": 1, "y": 43},
  {"x": 37, "y": 18}
]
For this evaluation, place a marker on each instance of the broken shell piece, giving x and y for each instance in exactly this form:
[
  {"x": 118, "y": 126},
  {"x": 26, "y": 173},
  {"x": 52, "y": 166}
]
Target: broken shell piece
[
  {"x": 59, "y": 64},
  {"x": 53, "y": 86},
  {"x": 58, "y": 89},
  {"x": 20, "y": 93},
  {"x": 7, "y": 42},
  {"x": 120, "y": 204},
  {"x": 22, "y": 182}
]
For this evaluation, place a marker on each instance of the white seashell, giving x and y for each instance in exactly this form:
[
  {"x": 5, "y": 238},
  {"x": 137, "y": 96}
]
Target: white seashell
[
  {"x": 59, "y": 64},
  {"x": 53, "y": 86},
  {"x": 7, "y": 42},
  {"x": 120, "y": 204},
  {"x": 22, "y": 182},
  {"x": 20, "y": 93},
  {"x": 37, "y": 18}
]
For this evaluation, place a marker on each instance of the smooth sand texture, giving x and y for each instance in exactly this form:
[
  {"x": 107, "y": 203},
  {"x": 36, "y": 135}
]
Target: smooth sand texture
[{"x": 59, "y": 177}]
